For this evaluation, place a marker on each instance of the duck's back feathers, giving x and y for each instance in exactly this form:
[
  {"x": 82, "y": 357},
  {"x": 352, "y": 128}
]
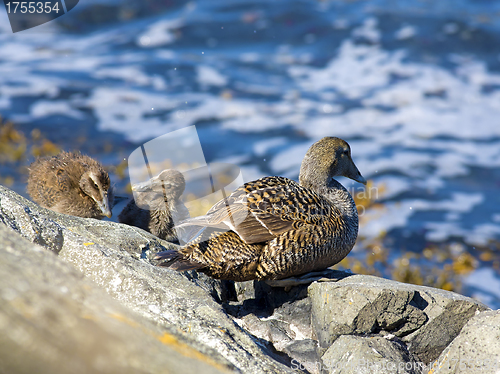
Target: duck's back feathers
[
  {"x": 277, "y": 227},
  {"x": 263, "y": 209}
]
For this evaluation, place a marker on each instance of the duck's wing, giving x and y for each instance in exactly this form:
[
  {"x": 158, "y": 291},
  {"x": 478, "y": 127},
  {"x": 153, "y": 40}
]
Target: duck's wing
[{"x": 263, "y": 209}]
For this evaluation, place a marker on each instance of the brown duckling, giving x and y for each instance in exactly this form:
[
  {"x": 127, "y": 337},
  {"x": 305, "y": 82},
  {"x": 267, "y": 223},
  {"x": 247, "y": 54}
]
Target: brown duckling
[
  {"x": 157, "y": 206},
  {"x": 71, "y": 183},
  {"x": 274, "y": 227}
]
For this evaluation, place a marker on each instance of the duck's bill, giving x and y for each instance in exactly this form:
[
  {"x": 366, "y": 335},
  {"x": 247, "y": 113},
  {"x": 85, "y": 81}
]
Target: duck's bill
[
  {"x": 144, "y": 186},
  {"x": 104, "y": 206},
  {"x": 354, "y": 174},
  {"x": 138, "y": 187},
  {"x": 360, "y": 179}
]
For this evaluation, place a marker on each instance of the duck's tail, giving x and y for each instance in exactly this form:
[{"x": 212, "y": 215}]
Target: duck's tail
[{"x": 176, "y": 260}]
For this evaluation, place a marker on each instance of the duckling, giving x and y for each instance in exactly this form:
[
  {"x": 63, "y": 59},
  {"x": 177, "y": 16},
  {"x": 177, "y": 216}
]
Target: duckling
[
  {"x": 157, "y": 206},
  {"x": 274, "y": 228},
  {"x": 71, "y": 183}
]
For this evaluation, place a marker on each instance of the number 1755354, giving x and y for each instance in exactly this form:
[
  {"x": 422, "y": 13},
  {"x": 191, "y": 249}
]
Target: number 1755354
[{"x": 32, "y": 7}]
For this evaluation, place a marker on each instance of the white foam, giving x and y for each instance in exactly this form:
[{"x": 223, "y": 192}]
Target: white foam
[
  {"x": 159, "y": 33},
  {"x": 210, "y": 107},
  {"x": 27, "y": 84},
  {"x": 368, "y": 30},
  {"x": 46, "y": 108},
  {"x": 208, "y": 76},
  {"x": 354, "y": 71},
  {"x": 290, "y": 159},
  {"x": 252, "y": 123},
  {"x": 391, "y": 216},
  {"x": 133, "y": 74},
  {"x": 72, "y": 63},
  {"x": 124, "y": 111},
  {"x": 128, "y": 111},
  {"x": 488, "y": 281},
  {"x": 392, "y": 186},
  {"x": 406, "y": 32},
  {"x": 364, "y": 72},
  {"x": 264, "y": 146},
  {"x": 395, "y": 215}
]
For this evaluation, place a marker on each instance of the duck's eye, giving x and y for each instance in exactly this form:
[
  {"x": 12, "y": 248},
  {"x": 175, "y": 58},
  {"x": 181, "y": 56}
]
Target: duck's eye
[{"x": 346, "y": 151}]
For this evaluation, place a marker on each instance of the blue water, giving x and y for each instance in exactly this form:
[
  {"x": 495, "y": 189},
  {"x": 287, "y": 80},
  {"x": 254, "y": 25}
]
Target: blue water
[{"x": 413, "y": 86}]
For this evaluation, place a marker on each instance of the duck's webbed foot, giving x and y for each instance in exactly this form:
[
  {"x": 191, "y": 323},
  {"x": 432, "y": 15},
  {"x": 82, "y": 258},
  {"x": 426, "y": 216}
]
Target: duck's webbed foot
[{"x": 327, "y": 275}]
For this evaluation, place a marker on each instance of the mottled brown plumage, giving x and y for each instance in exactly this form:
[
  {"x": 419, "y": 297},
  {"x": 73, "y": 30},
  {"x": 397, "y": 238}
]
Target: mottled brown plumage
[
  {"x": 157, "y": 206},
  {"x": 71, "y": 183},
  {"x": 279, "y": 228}
]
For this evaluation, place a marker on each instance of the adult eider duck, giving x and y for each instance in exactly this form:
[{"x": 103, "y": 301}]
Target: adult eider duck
[
  {"x": 278, "y": 228},
  {"x": 157, "y": 206},
  {"x": 71, "y": 183}
]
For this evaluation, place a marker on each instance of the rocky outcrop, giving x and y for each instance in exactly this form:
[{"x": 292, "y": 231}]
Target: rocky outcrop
[
  {"x": 349, "y": 317},
  {"x": 115, "y": 257},
  {"x": 93, "y": 301},
  {"x": 426, "y": 319},
  {"x": 54, "y": 320},
  {"x": 369, "y": 355},
  {"x": 476, "y": 350}
]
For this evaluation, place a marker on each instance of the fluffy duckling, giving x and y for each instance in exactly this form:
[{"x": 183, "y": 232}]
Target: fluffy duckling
[
  {"x": 157, "y": 206},
  {"x": 274, "y": 227},
  {"x": 71, "y": 183}
]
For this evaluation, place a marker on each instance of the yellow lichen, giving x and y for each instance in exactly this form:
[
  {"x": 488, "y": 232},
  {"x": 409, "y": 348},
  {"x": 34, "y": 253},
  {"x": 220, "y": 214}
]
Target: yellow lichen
[{"x": 169, "y": 340}]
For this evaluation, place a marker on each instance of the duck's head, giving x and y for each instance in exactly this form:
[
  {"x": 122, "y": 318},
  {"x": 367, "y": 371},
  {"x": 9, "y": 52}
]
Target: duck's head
[
  {"x": 96, "y": 185},
  {"x": 169, "y": 183},
  {"x": 327, "y": 158}
]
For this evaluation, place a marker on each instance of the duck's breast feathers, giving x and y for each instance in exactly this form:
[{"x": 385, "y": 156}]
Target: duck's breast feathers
[{"x": 263, "y": 209}]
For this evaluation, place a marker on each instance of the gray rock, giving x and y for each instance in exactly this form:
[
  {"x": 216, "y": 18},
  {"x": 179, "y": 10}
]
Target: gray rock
[
  {"x": 427, "y": 319},
  {"x": 244, "y": 290},
  {"x": 22, "y": 216},
  {"x": 54, "y": 320},
  {"x": 305, "y": 354},
  {"x": 280, "y": 319},
  {"x": 368, "y": 355},
  {"x": 476, "y": 349},
  {"x": 221, "y": 290},
  {"x": 116, "y": 257}
]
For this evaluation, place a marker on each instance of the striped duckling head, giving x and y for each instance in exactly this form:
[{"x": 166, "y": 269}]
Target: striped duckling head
[{"x": 168, "y": 186}]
